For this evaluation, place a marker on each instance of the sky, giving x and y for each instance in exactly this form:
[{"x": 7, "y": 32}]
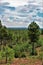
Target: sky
[{"x": 20, "y": 13}]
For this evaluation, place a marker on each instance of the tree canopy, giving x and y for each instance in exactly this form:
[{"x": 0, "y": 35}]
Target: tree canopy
[{"x": 33, "y": 33}]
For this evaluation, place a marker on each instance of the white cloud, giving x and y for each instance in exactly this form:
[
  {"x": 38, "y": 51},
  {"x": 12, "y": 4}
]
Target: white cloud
[
  {"x": 14, "y": 24},
  {"x": 23, "y": 14},
  {"x": 35, "y": 2},
  {"x": 16, "y": 3}
]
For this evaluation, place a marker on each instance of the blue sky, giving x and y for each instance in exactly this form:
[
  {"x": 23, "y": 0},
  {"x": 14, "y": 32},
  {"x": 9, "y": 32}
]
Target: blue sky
[{"x": 20, "y": 13}]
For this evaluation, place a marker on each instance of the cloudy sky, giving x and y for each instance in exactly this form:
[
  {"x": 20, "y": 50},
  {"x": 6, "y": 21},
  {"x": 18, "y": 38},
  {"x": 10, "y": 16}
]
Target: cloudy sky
[{"x": 20, "y": 13}]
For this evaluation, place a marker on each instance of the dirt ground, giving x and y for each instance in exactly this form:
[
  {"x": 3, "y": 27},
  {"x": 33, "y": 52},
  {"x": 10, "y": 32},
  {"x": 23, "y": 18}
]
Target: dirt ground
[{"x": 24, "y": 61}]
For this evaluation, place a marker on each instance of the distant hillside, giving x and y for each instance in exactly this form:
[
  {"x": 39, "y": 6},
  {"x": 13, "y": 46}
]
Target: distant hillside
[{"x": 17, "y": 28}]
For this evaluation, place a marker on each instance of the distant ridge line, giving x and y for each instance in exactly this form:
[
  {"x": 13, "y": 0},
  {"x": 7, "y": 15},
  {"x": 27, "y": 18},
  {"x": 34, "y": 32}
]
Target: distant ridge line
[
  {"x": 17, "y": 28},
  {"x": 21, "y": 28}
]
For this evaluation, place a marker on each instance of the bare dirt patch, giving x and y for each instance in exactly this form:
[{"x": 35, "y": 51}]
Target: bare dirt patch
[{"x": 24, "y": 61}]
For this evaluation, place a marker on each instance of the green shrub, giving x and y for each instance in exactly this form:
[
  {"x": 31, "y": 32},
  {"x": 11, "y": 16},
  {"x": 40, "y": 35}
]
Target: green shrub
[
  {"x": 9, "y": 52},
  {"x": 21, "y": 47},
  {"x": 41, "y": 57},
  {"x": 38, "y": 44},
  {"x": 35, "y": 53},
  {"x": 0, "y": 55},
  {"x": 23, "y": 55},
  {"x": 17, "y": 54}
]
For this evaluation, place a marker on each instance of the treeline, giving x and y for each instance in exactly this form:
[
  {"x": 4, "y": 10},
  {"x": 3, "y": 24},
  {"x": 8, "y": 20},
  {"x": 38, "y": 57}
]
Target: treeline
[{"x": 16, "y": 43}]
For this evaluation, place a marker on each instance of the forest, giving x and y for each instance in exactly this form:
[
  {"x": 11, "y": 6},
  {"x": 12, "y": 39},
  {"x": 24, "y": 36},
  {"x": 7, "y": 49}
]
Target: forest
[{"x": 24, "y": 43}]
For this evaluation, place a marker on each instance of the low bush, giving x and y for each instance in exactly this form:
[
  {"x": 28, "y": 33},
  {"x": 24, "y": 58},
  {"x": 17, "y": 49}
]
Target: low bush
[
  {"x": 17, "y": 54},
  {"x": 23, "y": 55},
  {"x": 35, "y": 53}
]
